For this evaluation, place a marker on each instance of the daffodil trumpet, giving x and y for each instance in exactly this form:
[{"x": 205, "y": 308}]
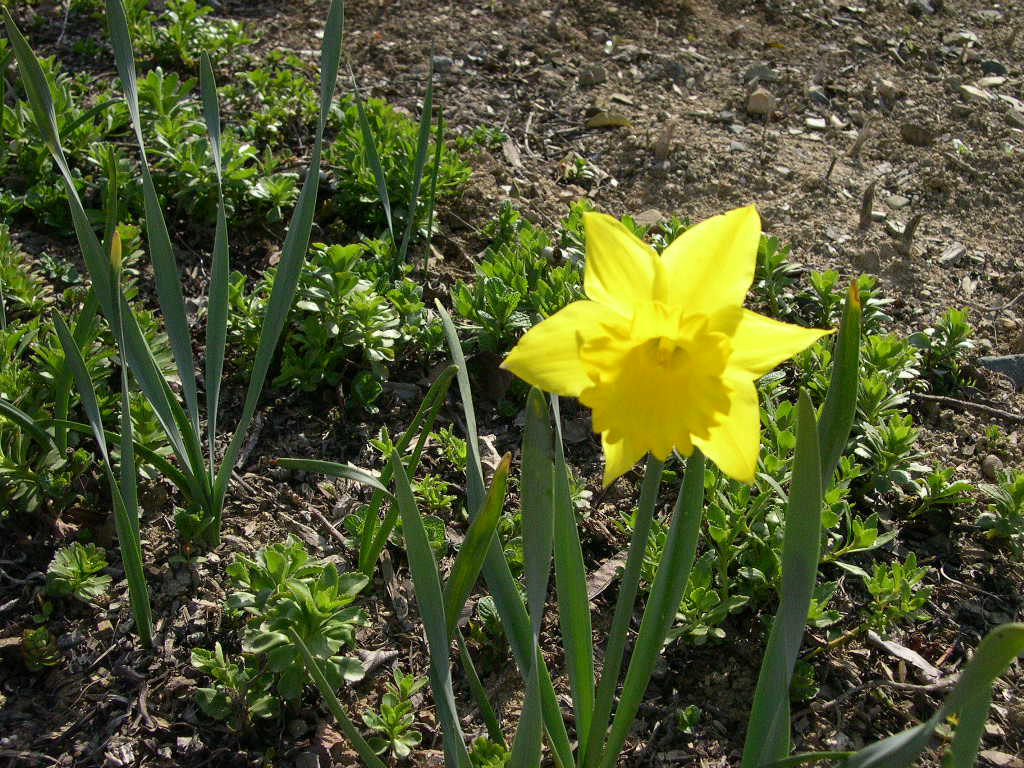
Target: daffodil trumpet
[{"x": 662, "y": 350}]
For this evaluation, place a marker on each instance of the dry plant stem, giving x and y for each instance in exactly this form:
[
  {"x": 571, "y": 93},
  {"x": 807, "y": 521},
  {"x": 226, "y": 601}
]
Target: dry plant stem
[
  {"x": 866, "y": 204},
  {"x": 858, "y": 144},
  {"x": 938, "y": 685},
  {"x": 20, "y": 754},
  {"x": 335, "y": 533},
  {"x": 831, "y": 167},
  {"x": 955, "y": 402},
  {"x": 908, "y": 234},
  {"x": 843, "y": 639}
]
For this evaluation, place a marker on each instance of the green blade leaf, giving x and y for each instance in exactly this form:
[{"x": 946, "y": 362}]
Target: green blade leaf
[
  {"x": 293, "y": 254},
  {"x": 217, "y": 302},
  {"x": 373, "y": 158},
  {"x": 571, "y": 583},
  {"x": 334, "y": 469},
  {"x": 26, "y": 423},
  {"x": 479, "y": 693},
  {"x": 514, "y": 617},
  {"x": 432, "y": 197},
  {"x": 840, "y": 405},
  {"x": 427, "y": 583},
  {"x": 624, "y": 606},
  {"x": 355, "y": 738},
  {"x": 768, "y": 735},
  {"x": 537, "y": 501},
  {"x": 125, "y": 514},
  {"x": 474, "y": 547},
  {"x": 662, "y": 604},
  {"x": 165, "y": 265},
  {"x": 421, "y": 158},
  {"x": 374, "y": 536}
]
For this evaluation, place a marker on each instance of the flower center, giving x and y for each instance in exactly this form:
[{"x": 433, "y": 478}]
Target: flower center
[
  {"x": 660, "y": 382},
  {"x": 666, "y": 349}
]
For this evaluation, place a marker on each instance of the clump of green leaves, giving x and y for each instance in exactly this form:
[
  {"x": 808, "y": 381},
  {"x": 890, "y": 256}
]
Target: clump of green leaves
[
  {"x": 939, "y": 489},
  {"x": 1003, "y": 518},
  {"x": 280, "y": 589},
  {"x": 39, "y": 649},
  {"x": 396, "y": 717},
  {"x": 357, "y": 200},
  {"x": 897, "y": 596},
  {"x": 944, "y": 347},
  {"x": 185, "y": 29},
  {"x": 40, "y": 469},
  {"x": 349, "y": 321},
  {"x": 489, "y": 754},
  {"x": 481, "y": 137},
  {"x": 278, "y": 97},
  {"x": 76, "y": 571},
  {"x": 517, "y": 283},
  {"x": 242, "y": 693},
  {"x": 453, "y": 447},
  {"x": 774, "y": 274},
  {"x": 891, "y": 455}
]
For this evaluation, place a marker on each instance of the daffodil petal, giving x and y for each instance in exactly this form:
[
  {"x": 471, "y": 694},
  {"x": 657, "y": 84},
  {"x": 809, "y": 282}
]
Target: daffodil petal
[
  {"x": 620, "y": 268},
  {"x": 760, "y": 343},
  {"x": 735, "y": 441},
  {"x": 619, "y": 458},
  {"x": 547, "y": 356},
  {"x": 711, "y": 265}
]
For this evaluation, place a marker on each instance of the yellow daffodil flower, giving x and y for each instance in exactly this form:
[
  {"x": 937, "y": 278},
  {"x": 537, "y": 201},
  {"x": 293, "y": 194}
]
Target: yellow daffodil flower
[{"x": 663, "y": 352}]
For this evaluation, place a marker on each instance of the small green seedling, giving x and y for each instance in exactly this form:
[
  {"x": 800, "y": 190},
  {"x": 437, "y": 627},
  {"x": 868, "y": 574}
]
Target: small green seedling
[
  {"x": 39, "y": 649},
  {"x": 1003, "y": 519},
  {"x": 396, "y": 717},
  {"x": 242, "y": 692},
  {"x": 897, "y": 596},
  {"x": 76, "y": 571}
]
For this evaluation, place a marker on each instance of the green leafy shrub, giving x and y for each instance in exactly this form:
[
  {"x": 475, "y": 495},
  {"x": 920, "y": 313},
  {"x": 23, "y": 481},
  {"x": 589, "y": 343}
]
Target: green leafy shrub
[
  {"x": 185, "y": 29},
  {"x": 39, "y": 649},
  {"x": 242, "y": 693},
  {"x": 944, "y": 347},
  {"x": 517, "y": 283},
  {"x": 282, "y": 589},
  {"x": 46, "y": 474},
  {"x": 896, "y": 594},
  {"x": 356, "y": 199},
  {"x": 348, "y": 324},
  {"x": 29, "y": 183}
]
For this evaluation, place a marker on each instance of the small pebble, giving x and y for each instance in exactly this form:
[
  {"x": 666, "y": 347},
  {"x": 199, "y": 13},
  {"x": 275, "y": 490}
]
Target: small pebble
[
  {"x": 971, "y": 93},
  {"x": 761, "y": 102},
  {"x": 992, "y": 67},
  {"x": 990, "y": 467}
]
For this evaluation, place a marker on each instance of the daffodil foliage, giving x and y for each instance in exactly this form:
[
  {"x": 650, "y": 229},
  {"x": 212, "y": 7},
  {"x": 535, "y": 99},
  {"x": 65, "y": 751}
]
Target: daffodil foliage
[{"x": 662, "y": 350}]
